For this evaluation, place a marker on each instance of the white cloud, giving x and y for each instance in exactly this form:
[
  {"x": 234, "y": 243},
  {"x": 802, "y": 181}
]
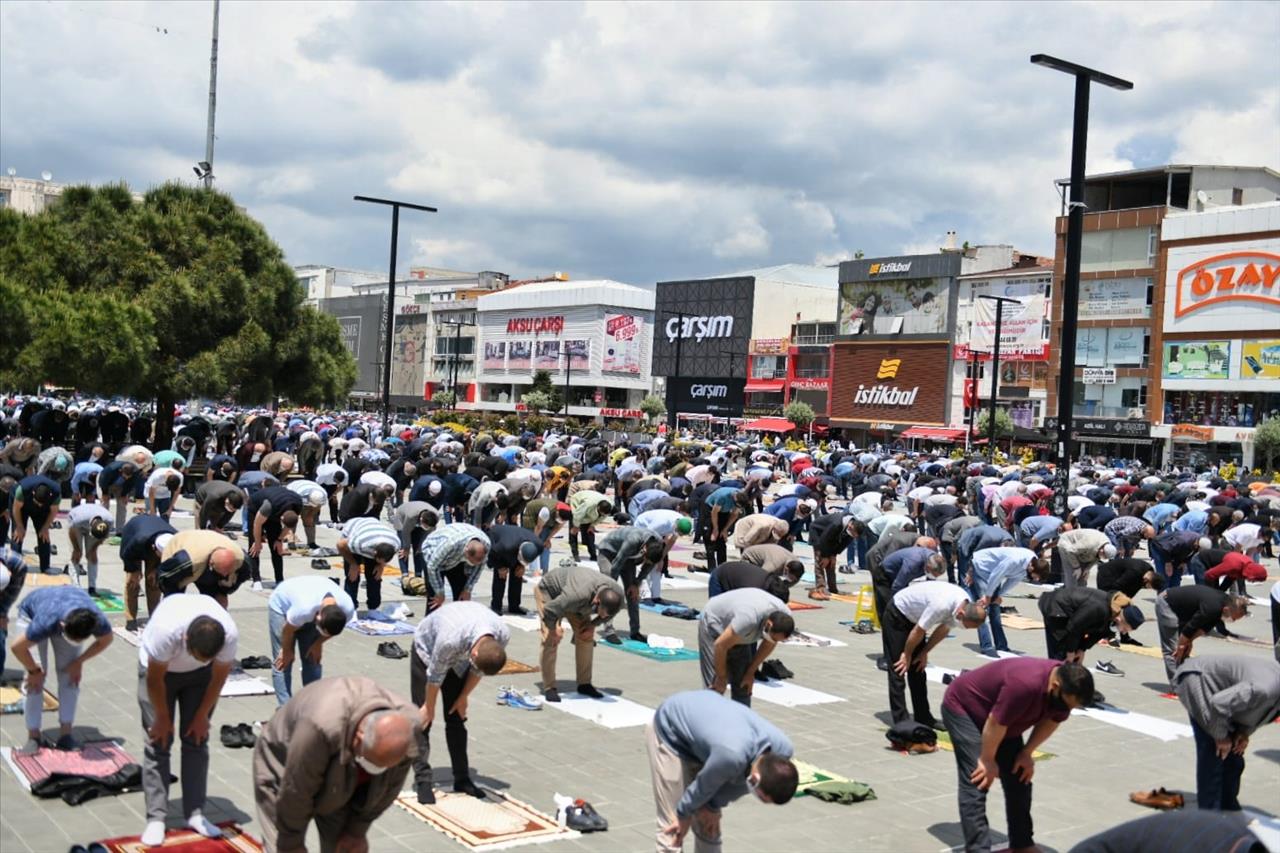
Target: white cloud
[{"x": 749, "y": 240}]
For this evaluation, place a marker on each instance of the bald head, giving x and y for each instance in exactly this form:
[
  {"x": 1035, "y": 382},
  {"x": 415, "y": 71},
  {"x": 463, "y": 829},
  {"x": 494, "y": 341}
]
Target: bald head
[
  {"x": 225, "y": 561},
  {"x": 384, "y": 738}
]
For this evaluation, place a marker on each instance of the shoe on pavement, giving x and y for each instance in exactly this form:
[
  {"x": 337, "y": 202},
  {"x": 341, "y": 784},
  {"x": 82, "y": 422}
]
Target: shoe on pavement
[
  {"x": 1126, "y": 640},
  {"x": 257, "y": 586},
  {"x": 247, "y": 737},
  {"x": 131, "y": 625},
  {"x": 426, "y": 795},
  {"x": 590, "y": 691},
  {"x": 1157, "y": 798},
  {"x": 583, "y": 818},
  {"x": 521, "y": 699},
  {"x": 551, "y": 694},
  {"x": 846, "y": 569},
  {"x": 392, "y": 650},
  {"x": 230, "y": 737},
  {"x": 639, "y": 637},
  {"x": 882, "y": 664},
  {"x": 518, "y": 611},
  {"x": 863, "y": 626},
  {"x": 779, "y": 669},
  {"x": 466, "y": 786},
  {"x": 1106, "y": 666},
  {"x": 613, "y": 639},
  {"x": 1098, "y": 699}
]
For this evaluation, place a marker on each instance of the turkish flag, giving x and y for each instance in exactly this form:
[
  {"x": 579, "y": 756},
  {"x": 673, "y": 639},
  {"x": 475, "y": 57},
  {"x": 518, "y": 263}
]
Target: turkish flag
[{"x": 970, "y": 393}]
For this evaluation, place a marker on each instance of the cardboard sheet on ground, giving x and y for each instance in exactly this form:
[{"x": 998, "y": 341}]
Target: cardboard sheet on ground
[
  {"x": 233, "y": 840},
  {"x": 241, "y": 683},
  {"x": 845, "y": 597},
  {"x": 521, "y": 623},
  {"x": 494, "y": 823},
  {"x": 1145, "y": 651},
  {"x": 684, "y": 582},
  {"x": 1155, "y": 727},
  {"x": 375, "y": 628},
  {"x": 944, "y": 742},
  {"x": 612, "y": 712},
  {"x": 515, "y": 667},
  {"x": 38, "y": 579},
  {"x": 133, "y": 638},
  {"x": 95, "y": 758},
  {"x": 790, "y": 695},
  {"x": 1020, "y": 623},
  {"x": 12, "y": 699},
  {"x": 816, "y": 641},
  {"x": 644, "y": 650},
  {"x": 802, "y": 605},
  {"x": 935, "y": 673}
]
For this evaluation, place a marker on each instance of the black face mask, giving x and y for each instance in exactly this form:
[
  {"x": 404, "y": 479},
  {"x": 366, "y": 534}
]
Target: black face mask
[{"x": 1057, "y": 703}]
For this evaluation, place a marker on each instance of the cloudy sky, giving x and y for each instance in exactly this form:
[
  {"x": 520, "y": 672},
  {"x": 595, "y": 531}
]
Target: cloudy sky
[{"x": 637, "y": 142}]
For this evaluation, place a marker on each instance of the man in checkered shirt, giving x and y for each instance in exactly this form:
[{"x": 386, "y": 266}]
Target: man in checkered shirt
[
  {"x": 1126, "y": 531},
  {"x": 455, "y": 553}
]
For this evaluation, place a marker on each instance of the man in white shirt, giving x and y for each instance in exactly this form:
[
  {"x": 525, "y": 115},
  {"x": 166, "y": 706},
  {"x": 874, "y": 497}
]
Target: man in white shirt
[
  {"x": 916, "y": 621},
  {"x": 88, "y": 526},
  {"x": 159, "y": 490},
  {"x": 187, "y": 650},
  {"x": 306, "y": 612}
]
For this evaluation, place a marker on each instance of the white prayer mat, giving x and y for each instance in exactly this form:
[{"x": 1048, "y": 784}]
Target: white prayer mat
[
  {"x": 612, "y": 712},
  {"x": 1155, "y": 727},
  {"x": 790, "y": 695}
]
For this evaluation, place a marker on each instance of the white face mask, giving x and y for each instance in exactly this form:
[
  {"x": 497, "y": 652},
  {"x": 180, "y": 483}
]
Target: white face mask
[{"x": 369, "y": 767}]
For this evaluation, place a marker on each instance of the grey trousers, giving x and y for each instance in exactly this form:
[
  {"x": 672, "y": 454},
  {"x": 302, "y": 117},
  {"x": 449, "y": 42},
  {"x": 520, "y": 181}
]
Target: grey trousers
[
  {"x": 186, "y": 690},
  {"x": 738, "y": 664},
  {"x": 1167, "y": 623},
  {"x": 966, "y": 738}
]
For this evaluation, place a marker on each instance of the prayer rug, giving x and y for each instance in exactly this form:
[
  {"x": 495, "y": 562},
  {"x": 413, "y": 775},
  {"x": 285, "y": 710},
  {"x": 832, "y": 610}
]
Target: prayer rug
[
  {"x": 847, "y": 599},
  {"x": 802, "y": 605},
  {"x": 944, "y": 742},
  {"x": 1155, "y": 727},
  {"x": 494, "y": 823},
  {"x": 97, "y": 758},
  {"x": 644, "y": 650},
  {"x": 38, "y": 579},
  {"x": 515, "y": 667},
  {"x": 12, "y": 699},
  {"x": 109, "y": 603},
  {"x": 790, "y": 695},
  {"x": 233, "y": 840},
  {"x": 810, "y": 776},
  {"x": 612, "y": 712},
  {"x": 375, "y": 628},
  {"x": 1145, "y": 651},
  {"x": 804, "y": 638},
  {"x": 1019, "y": 623}
]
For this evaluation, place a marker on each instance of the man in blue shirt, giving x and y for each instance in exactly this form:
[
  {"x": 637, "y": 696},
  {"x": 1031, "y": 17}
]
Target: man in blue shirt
[
  {"x": 1159, "y": 515},
  {"x": 720, "y": 512},
  {"x": 906, "y": 565},
  {"x": 705, "y": 751},
  {"x": 992, "y": 574},
  {"x": 64, "y": 616},
  {"x": 304, "y": 612}
]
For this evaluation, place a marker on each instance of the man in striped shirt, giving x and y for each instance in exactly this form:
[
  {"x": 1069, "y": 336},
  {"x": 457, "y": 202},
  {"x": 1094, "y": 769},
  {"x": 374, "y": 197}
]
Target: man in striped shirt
[
  {"x": 452, "y": 648},
  {"x": 455, "y": 553},
  {"x": 367, "y": 544}
]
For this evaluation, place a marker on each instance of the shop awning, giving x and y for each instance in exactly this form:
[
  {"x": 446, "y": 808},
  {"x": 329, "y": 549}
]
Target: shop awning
[
  {"x": 769, "y": 425},
  {"x": 933, "y": 433},
  {"x": 764, "y": 386}
]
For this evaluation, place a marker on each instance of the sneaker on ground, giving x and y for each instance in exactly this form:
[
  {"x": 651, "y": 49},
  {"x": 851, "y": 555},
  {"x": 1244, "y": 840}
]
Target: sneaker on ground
[
  {"x": 1106, "y": 666},
  {"x": 257, "y": 586},
  {"x": 521, "y": 699}
]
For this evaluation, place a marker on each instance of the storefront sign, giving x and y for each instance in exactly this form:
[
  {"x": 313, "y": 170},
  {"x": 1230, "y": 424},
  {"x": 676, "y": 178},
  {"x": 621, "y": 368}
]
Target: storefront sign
[
  {"x": 769, "y": 346},
  {"x": 1234, "y": 275},
  {"x": 1096, "y": 426},
  {"x": 1223, "y": 287},
  {"x": 963, "y": 352},
  {"x": 621, "y": 413},
  {"x": 700, "y": 328},
  {"x": 703, "y": 326},
  {"x": 890, "y": 267},
  {"x": 1260, "y": 359},
  {"x": 723, "y": 397},
  {"x": 551, "y": 325},
  {"x": 904, "y": 383},
  {"x": 1197, "y": 360},
  {"x": 1114, "y": 299},
  {"x": 761, "y": 411},
  {"x": 411, "y": 308},
  {"x": 1192, "y": 433},
  {"x": 811, "y": 383},
  {"x": 1099, "y": 376}
]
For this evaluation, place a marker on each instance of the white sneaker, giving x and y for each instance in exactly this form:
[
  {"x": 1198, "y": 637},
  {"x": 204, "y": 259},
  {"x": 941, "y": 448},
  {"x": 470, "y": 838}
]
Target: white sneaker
[{"x": 257, "y": 586}]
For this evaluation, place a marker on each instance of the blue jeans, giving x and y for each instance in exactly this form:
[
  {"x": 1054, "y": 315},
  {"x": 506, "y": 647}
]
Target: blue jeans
[
  {"x": 1217, "y": 779},
  {"x": 1160, "y": 561},
  {"x": 305, "y": 638},
  {"x": 713, "y": 587},
  {"x": 990, "y": 627}
]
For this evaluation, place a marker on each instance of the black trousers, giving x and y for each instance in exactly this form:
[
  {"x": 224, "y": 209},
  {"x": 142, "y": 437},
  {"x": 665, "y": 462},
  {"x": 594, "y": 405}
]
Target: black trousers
[
  {"x": 588, "y": 538},
  {"x": 896, "y": 628},
  {"x": 271, "y": 535},
  {"x": 455, "y": 577},
  {"x": 717, "y": 550},
  {"x": 513, "y": 584},
  {"x": 455, "y": 727},
  {"x": 419, "y": 562},
  {"x": 372, "y": 581}
]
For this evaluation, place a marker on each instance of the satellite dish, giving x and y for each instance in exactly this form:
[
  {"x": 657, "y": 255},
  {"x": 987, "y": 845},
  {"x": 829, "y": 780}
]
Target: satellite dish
[
  {"x": 46, "y": 175},
  {"x": 1202, "y": 196}
]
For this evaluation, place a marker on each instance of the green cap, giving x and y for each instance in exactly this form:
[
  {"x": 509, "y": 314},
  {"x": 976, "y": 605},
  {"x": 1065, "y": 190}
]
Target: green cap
[{"x": 684, "y": 526}]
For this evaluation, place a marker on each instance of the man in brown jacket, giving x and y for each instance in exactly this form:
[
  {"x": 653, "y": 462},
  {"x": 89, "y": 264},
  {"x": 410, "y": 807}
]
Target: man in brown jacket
[{"x": 337, "y": 753}]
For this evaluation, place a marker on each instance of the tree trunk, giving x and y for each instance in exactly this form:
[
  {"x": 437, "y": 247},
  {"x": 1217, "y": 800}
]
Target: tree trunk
[{"x": 163, "y": 435}]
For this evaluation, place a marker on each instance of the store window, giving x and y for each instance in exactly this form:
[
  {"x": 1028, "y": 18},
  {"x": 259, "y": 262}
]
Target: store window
[
  {"x": 1219, "y": 408},
  {"x": 1125, "y": 248},
  {"x": 448, "y": 344},
  {"x": 768, "y": 367}
]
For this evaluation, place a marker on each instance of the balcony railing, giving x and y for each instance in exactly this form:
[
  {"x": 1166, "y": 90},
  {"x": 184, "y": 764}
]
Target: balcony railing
[
  {"x": 768, "y": 374},
  {"x": 812, "y": 373},
  {"x": 812, "y": 340},
  {"x": 1089, "y": 410}
]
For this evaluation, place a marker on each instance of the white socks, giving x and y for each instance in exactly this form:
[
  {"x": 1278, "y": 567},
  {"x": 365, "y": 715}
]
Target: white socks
[
  {"x": 201, "y": 824},
  {"x": 153, "y": 835}
]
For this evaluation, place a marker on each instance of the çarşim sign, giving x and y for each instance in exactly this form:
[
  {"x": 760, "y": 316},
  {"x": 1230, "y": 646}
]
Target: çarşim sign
[{"x": 1252, "y": 276}]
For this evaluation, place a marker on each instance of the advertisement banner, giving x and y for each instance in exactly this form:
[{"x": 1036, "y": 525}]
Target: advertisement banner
[
  {"x": 578, "y": 351},
  {"x": 1114, "y": 298},
  {"x": 1021, "y": 327},
  {"x": 1222, "y": 287},
  {"x": 1091, "y": 347},
  {"x": 1124, "y": 347},
  {"x": 1197, "y": 360},
  {"x": 1099, "y": 376},
  {"x": 409, "y": 348},
  {"x": 721, "y": 396},
  {"x": 623, "y": 341},
  {"x": 495, "y": 355},
  {"x": 902, "y": 383},
  {"x": 1260, "y": 359},
  {"x": 520, "y": 355},
  {"x": 905, "y": 306},
  {"x": 546, "y": 355},
  {"x": 706, "y": 322}
]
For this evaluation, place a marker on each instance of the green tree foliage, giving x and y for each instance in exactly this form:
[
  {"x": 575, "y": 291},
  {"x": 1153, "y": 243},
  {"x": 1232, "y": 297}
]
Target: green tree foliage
[
  {"x": 653, "y": 406},
  {"x": 444, "y": 398},
  {"x": 1266, "y": 443},
  {"x": 537, "y": 401},
  {"x": 799, "y": 413},
  {"x": 542, "y": 382},
  {"x": 1004, "y": 423},
  {"x": 179, "y": 295}
]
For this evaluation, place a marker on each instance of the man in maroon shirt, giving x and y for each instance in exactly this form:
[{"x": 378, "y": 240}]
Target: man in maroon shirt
[{"x": 986, "y": 710}]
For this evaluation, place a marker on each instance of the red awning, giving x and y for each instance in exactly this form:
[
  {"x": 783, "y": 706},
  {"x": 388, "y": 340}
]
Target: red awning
[
  {"x": 933, "y": 433},
  {"x": 765, "y": 385},
  {"x": 769, "y": 425}
]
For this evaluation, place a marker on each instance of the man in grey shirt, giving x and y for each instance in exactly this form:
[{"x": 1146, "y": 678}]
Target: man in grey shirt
[
  {"x": 414, "y": 520},
  {"x": 705, "y": 752},
  {"x": 771, "y": 558},
  {"x": 216, "y": 502},
  {"x": 728, "y": 629},
  {"x": 1228, "y": 697},
  {"x": 628, "y": 554},
  {"x": 584, "y": 597}
]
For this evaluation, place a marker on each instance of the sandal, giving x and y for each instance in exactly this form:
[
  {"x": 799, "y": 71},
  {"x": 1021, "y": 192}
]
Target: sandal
[{"x": 819, "y": 595}]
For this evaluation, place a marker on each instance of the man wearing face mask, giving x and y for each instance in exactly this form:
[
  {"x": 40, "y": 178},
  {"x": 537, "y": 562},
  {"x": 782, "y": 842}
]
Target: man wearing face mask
[
  {"x": 454, "y": 553},
  {"x": 216, "y": 502},
  {"x": 452, "y": 648},
  {"x": 586, "y": 598},
  {"x": 986, "y": 710},
  {"x": 337, "y": 753},
  {"x": 304, "y": 612},
  {"x": 705, "y": 751}
]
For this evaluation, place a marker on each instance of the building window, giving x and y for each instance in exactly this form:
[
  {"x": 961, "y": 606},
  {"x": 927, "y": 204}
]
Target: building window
[
  {"x": 768, "y": 367},
  {"x": 1125, "y": 248},
  {"x": 446, "y": 344}
]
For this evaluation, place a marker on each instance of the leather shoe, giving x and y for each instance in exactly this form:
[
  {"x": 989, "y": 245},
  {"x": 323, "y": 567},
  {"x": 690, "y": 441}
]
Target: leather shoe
[
  {"x": 466, "y": 786},
  {"x": 551, "y": 694},
  {"x": 426, "y": 795},
  {"x": 589, "y": 691}
]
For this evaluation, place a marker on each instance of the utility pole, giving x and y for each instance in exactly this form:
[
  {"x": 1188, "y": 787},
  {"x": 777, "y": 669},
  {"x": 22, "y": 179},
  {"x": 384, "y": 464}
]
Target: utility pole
[
  {"x": 1071, "y": 279},
  {"x": 995, "y": 370},
  {"x": 207, "y": 165},
  {"x": 568, "y": 366},
  {"x": 391, "y": 296},
  {"x": 671, "y": 395}
]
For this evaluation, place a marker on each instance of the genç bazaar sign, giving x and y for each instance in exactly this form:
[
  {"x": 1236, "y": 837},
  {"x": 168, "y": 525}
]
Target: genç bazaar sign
[{"x": 1249, "y": 276}]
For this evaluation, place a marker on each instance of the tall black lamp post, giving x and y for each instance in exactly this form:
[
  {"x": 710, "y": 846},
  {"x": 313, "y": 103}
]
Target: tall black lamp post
[
  {"x": 1071, "y": 281},
  {"x": 995, "y": 370},
  {"x": 391, "y": 296}
]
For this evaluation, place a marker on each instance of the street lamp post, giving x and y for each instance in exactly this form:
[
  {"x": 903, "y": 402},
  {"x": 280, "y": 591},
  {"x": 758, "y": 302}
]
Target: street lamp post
[
  {"x": 1071, "y": 279},
  {"x": 391, "y": 296},
  {"x": 995, "y": 370},
  {"x": 671, "y": 396}
]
